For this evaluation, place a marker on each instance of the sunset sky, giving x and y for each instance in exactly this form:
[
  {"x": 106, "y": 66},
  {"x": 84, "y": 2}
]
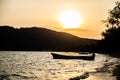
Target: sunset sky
[{"x": 52, "y": 13}]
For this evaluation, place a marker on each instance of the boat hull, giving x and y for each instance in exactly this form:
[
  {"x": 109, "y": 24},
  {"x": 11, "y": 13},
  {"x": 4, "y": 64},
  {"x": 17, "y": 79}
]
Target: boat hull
[{"x": 58, "y": 56}]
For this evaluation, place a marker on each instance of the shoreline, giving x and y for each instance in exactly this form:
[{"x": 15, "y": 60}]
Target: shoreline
[{"x": 103, "y": 73}]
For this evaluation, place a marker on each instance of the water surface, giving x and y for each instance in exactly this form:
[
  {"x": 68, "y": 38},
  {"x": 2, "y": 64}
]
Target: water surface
[{"x": 28, "y": 65}]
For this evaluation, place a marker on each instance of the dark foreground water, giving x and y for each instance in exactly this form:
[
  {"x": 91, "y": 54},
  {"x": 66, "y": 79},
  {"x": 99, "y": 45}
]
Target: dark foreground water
[{"x": 15, "y": 65}]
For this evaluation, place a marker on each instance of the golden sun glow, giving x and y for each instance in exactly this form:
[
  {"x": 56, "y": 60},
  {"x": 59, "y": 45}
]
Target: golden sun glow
[{"x": 70, "y": 19}]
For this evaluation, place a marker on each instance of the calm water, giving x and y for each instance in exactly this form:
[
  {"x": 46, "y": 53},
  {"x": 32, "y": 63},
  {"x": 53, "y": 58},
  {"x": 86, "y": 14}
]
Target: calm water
[{"x": 15, "y": 65}]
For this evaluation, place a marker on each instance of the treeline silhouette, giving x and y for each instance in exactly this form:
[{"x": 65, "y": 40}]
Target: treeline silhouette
[
  {"x": 111, "y": 36},
  {"x": 42, "y": 39},
  {"x": 111, "y": 42}
]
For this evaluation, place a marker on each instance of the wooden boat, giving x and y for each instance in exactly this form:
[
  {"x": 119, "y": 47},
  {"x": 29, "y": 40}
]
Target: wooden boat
[{"x": 59, "y": 56}]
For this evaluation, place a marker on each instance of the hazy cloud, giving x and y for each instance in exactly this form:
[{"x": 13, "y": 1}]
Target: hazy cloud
[{"x": 77, "y": 29}]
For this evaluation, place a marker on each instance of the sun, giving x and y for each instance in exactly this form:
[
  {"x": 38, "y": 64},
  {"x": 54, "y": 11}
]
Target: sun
[{"x": 70, "y": 19}]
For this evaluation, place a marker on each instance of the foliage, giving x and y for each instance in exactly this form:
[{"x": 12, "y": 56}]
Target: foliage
[
  {"x": 114, "y": 16},
  {"x": 113, "y": 21},
  {"x": 111, "y": 36}
]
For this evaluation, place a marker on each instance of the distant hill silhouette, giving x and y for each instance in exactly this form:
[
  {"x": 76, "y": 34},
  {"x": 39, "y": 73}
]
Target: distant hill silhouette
[{"x": 35, "y": 38}]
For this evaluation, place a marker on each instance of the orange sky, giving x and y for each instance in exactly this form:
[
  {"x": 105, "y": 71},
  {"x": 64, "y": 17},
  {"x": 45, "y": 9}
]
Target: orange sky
[{"x": 28, "y": 13}]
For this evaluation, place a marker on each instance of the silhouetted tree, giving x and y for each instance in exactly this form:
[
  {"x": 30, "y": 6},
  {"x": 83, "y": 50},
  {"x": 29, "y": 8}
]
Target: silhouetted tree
[
  {"x": 114, "y": 16},
  {"x": 111, "y": 36}
]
